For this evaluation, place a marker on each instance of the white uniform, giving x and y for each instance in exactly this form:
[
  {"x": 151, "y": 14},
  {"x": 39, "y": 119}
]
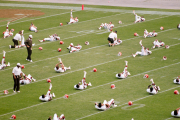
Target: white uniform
[
  {"x": 138, "y": 18},
  {"x": 124, "y": 74},
  {"x": 7, "y": 33},
  {"x": 104, "y": 107},
  {"x": 117, "y": 42},
  {"x": 178, "y": 26},
  {"x": 156, "y": 43},
  {"x": 73, "y": 48},
  {"x": 62, "y": 117},
  {"x": 176, "y": 81},
  {"x": 33, "y": 28},
  {"x": 82, "y": 86},
  {"x": 60, "y": 69},
  {"x": 149, "y": 34},
  {"x": 48, "y": 96},
  {"x": 28, "y": 79},
  {"x": 178, "y": 115},
  {"x": 113, "y": 35},
  {"x": 152, "y": 92},
  {"x": 2, "y": 65}
]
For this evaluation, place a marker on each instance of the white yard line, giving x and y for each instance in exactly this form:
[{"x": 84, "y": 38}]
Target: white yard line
[{"x": 97, "y": 87}]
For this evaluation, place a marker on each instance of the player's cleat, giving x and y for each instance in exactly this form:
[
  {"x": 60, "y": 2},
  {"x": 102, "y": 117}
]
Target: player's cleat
[
  {"x": 53, "y": 95},
  {"x": 31, "y": 61},
  {"x": 9, "y": 46},
  {"x": 89, "y": 84},
  {"x": 159, "y": 88},
  {"x": 133, "y": 55},
  {"x": 8, "y": 64},
  {"x": 18, "y": 91},
  {"x": 114, "y": 105}
]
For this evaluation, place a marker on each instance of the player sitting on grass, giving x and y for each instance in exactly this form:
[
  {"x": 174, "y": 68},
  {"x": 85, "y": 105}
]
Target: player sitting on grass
[
  {"x": 73, "y": 20},
  {"x": 53, "y": 37},
  {"x": 125, "y": 73},
  {"x": 177, "y": 80},
  {"x": 149, "y": 34},
  {"x": 153, "y": 89},
  {"x": 33, "y": 28},
  {"x": 48, "y": 96},
  {"x": 82, "y": 84},
  {"x": 27, "y": 79},
  {"x": 138, "y": 18},
  {"x": 8, "y": 32},
  {"x": 3, "y": 65},
  {"x": 157, "y": 44},
  {"x": 62, "y": 68},
  {"x": 62, "y": 117},
  {"x": 105, "y": 105},
  {"x": 73, "y": 48},
  {"x": 106, "y": 26},
  {"x": 144, "y": 51},
  {"x": 176, "y": 113}
]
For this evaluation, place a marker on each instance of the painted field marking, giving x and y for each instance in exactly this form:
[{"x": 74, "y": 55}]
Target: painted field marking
[
  {"x": 101, "y": 86},
  {"x": 132, "y": 108}
]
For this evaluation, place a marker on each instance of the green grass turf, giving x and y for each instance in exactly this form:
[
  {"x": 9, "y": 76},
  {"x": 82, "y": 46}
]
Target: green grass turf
[{"x": 80, "y": 104}]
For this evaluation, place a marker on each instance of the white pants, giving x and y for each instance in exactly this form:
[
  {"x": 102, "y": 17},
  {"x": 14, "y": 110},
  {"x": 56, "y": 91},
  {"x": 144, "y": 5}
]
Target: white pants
[
  {"x": 81, "y": 87},
  {"x": 33, "y": 29},
  {"x": 153, "y": 92},
  {"x": 176, "y": 82},
  {"x": 178, "y": 115},
  {"x": 60, "y": 69}
]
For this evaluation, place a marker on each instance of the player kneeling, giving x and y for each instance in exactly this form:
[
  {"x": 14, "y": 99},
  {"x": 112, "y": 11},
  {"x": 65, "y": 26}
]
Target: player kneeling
[
  {"x": 105, "y": 105},
  {"x": 177, "y": 80},
  {"x": 62, "y": 68},
  {"x": 176, "y": 113},
  {"x": 125, "y": 73},
  {"x": 27, "y": 79},
  {"x": 153, "y": 89},
  {"x": 82, "y": 84},
  {"x": 48, "y": 96},
  {"x": 73, "y": 48}
]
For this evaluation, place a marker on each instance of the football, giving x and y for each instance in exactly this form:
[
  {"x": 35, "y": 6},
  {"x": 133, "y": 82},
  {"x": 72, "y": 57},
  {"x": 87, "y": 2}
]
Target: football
[
  {"x": 40, "y": 48},
  {"x": 59, "y": 49},
  {"x": 130, "y": 103},
  {"x": 94, "y": 70},
  {"x": 48, "y": 80}
]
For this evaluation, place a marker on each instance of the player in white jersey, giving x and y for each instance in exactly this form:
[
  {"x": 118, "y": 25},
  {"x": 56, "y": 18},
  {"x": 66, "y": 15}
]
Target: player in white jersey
[
  {"x": 73, "y": 48},
  {"x": 143, "y": 52},
  {"x": 178, "y": 26},
  {"x": 176, "y": 113},
  {"x": 33, "y": 28},
  {"x": 157, "y": 44},
  {"x": 27, "y": 79},
  {"x": 153, "y": 89},
  {"x": 117, "y": 42},
  {"x": 106, "y": 26},
  {"x": 82, "y": 84},
  {"x": 177, "y": 80},
  {"x": 3, "y": 65},
  {"x": 48, "y": 96},
  {"x": 105, "y": 105},
  {"x": 112, "y": 37},
  {"x": 125, "y": 73},
  {"x": 62, "y": 117},
  {"x": 53, "y": 37},
  {"x": 8, "y": 32},
  {"x": 62, "y": 68},
  {"x": 149, "y": 34},
  {"x": 138, "y": 18},
  {"x": 73, "y": 20}
]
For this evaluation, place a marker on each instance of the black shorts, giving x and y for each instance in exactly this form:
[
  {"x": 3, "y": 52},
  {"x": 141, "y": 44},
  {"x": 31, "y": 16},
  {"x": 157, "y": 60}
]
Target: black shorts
[{"x": 111, "y": 40}]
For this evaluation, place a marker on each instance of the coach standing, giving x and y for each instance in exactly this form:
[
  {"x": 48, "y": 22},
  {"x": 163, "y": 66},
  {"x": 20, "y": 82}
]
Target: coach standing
[
  {"x": 112, "y": 37},
  {"x": 28, "y": 44},
  {"x": 17, "y": 74},
  {"x": 16, "y": 38}
]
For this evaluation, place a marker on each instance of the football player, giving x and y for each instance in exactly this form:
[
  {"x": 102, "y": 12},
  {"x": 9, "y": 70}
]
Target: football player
[
  {"x": 153, "y": 89},
  {"x": 144, "y": 51},
  {"x": 176, "y": 113},
  {"x": 105, "y": 105},
  {"x": 82, "y": 84},
  {"x": 112, "y": 37},
  {"x": 178, "y": 26},
  {"x": 48, "y": 96},
  {"x": 8, "y": 32},
  {"x": 125, "y": 73},
  {"x": 138, "y": 18},
  {"x": 62, "y": 68},
  {"x": 33, "y": 28},
  {"x": 117, "y": 42},
  {"x": 51, "y": 38},
  {"x": 3, "y": 65},
  {"x": 157, "y": 44},
  {"x": 73, "y": 48},
  {"x": 73, "y": 20},
  {"x": 62, "y": 117},
  {"x": 149, "y": 34},
  {"x": 177, "y": 80},
  {"x": 106, "y": 26},
  {"x": 27, "y": 79}
]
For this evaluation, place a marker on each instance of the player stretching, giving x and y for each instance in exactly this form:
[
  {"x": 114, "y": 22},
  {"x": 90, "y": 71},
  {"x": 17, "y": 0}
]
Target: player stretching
[
  {"x": 33, "y": 28},
  {"x": 3, "y": 65},
  {"x": 138, "y": 18},
  {"x": 8, "y": 32},
  {"x": 53, "y": 37},
  {"x": 105, "y": 105},
  {"x": 62, "y": 68},
  {"x": 73, "y": 20},
  {"x": 125, "y": 73},
  {"x": 73, "y": 48},
  {"x": 153, "y": 89}
]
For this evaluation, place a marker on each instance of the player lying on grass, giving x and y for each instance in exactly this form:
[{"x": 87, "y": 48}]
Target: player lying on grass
[
  {"x": 3, "y": 65},
  {"x": 153, "y": 89},
  {"x": 157, "y": 44},
  {"x": 73, "y": 20},
  {"x": 138, "y": 18},
  {"x": 33, "y": 27},
  {"x": 149, "y": 34},
  {"x": 73, "y": 48},
  {"x": 178, "y": 26},
  {"x": 62, "y": 117},
  {"x": 53, "y": 37},
  {"x": 62, "y": 68},
  {"x": 105, "y": 105},
  {"x": 27, "y": 79},
  {"x": 82, "y": 84},
  {"x": 177, "y": 80},
  {"x": 48, "y": 96},
  {"x": 117, "y": 42},
  {"x": 125, "y": 73},
  {"x": 106, "y": 26},
  {"x": 176, "y": 113},
  {"x": 144, "y": 51},
  {"x": 8, "y": 32}
]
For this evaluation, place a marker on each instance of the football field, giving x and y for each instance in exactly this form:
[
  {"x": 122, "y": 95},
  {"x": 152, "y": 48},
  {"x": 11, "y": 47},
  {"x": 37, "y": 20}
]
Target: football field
[{"x": 80, "y": 104}]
